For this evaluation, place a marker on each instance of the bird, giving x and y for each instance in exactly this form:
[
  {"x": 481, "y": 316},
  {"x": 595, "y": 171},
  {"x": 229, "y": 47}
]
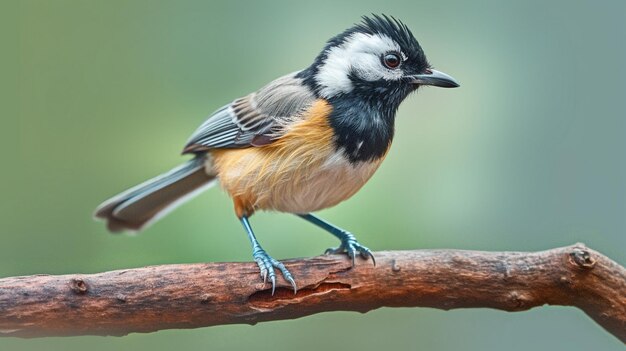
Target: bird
[{"x": 302, "y": 143}]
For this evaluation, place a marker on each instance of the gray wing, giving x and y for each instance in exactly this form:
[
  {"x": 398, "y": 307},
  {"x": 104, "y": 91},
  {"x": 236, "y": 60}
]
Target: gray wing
[{"x": 253, "y": 120}]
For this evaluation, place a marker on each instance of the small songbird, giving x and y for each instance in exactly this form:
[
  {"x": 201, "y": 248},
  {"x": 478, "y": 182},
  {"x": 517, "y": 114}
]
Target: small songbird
[{"x": 304, "y": 142}]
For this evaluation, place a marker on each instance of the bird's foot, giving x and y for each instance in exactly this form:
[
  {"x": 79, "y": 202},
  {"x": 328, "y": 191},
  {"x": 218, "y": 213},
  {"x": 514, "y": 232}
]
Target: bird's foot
[
  {"x": 351, "y": 246},
  {"x": 267, "y": 264}
]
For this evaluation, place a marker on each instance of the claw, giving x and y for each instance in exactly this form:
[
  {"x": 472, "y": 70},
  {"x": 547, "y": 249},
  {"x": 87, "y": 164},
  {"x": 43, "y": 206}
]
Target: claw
[
  {"x": 267, "y": 264},
  {"x": 262, "y": 269},
  {"x": 351, "y": 255},
  {"x": 367, "y": 254},
  {"x": 351, "y": 246},
  {"x": 273, "y": 285},
  {"x": 334, "y": 250},
  {"x": 288, "y": 277},
  {"x": 372, "y": 256},
  {"x": 293, "y": 285}
]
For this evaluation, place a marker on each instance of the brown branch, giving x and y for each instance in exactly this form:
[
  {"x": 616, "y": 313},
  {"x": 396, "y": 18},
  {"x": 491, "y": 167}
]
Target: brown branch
[{"x": 200, "y": 295}]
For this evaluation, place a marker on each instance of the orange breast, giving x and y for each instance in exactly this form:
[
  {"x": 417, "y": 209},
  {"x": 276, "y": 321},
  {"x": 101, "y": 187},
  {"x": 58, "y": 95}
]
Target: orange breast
[{"x": 300, "y": 172}]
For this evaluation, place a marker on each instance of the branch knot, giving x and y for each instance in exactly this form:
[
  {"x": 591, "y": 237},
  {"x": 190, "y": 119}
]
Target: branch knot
[
  {"x": 582, "y": 258},
  {"x": 78, "y": 286}
]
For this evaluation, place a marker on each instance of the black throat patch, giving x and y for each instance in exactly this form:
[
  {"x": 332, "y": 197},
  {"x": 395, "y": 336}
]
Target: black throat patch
[{"x": 363, "y": 128}]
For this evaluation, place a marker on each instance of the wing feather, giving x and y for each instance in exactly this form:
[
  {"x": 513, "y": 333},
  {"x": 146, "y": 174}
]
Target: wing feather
[{"x": 255, "y": 119}]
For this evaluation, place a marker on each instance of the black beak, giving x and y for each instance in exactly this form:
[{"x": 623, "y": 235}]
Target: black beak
[{"x": 434, "y": 78}]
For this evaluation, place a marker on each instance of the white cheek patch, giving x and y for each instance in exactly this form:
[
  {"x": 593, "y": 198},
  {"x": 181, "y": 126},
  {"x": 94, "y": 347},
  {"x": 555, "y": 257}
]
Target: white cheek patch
[
  {"x": 360, "y": 53},
  {"x": 368, "y": 67},
  {"x": 333, "y": 74}
]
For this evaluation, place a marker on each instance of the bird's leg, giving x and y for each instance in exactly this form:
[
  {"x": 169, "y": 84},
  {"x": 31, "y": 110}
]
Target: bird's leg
[
  {"x": 349, "y": 244},
  {"x": 266, "y": 262}
]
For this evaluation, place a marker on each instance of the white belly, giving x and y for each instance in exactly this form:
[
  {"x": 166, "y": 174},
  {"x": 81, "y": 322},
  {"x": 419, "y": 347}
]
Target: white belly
[
  {"x": 336, "y": 181},
  {"x": 294, "y": 185}
]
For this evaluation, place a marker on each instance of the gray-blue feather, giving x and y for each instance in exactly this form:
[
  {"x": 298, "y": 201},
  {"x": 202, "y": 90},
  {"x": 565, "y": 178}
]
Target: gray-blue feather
[
  {"x": 135, "y": 208},
  {"x": 257, "y": 116}
]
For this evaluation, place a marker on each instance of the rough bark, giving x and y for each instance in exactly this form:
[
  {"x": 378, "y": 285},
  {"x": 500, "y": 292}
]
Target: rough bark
[{"x": 199, "y": 295}]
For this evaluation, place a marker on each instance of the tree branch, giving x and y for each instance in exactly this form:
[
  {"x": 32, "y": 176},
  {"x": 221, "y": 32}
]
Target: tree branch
[{"x": 199, "y": 295}]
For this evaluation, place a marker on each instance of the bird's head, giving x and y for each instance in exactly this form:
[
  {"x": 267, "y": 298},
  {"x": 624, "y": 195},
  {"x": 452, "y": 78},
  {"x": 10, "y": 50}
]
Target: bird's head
[{"x": 377, "y": 59}]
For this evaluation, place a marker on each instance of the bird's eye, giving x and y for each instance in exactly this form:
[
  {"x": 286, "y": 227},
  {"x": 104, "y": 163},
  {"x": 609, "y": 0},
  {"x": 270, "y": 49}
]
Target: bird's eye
[{"x": 391, "y": 60}]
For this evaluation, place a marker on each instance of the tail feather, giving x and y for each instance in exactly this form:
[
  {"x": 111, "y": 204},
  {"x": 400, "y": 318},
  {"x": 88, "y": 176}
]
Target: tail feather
[{"x": 136, "y": 208}]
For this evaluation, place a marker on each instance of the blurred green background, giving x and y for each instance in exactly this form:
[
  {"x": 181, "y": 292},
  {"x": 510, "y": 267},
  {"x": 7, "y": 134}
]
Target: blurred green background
[{"x": 529, "y": 154}]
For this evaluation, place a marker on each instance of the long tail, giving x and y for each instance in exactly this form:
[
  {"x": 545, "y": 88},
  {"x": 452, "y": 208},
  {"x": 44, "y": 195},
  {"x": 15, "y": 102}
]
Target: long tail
[{"x": 136, "y": 208}]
